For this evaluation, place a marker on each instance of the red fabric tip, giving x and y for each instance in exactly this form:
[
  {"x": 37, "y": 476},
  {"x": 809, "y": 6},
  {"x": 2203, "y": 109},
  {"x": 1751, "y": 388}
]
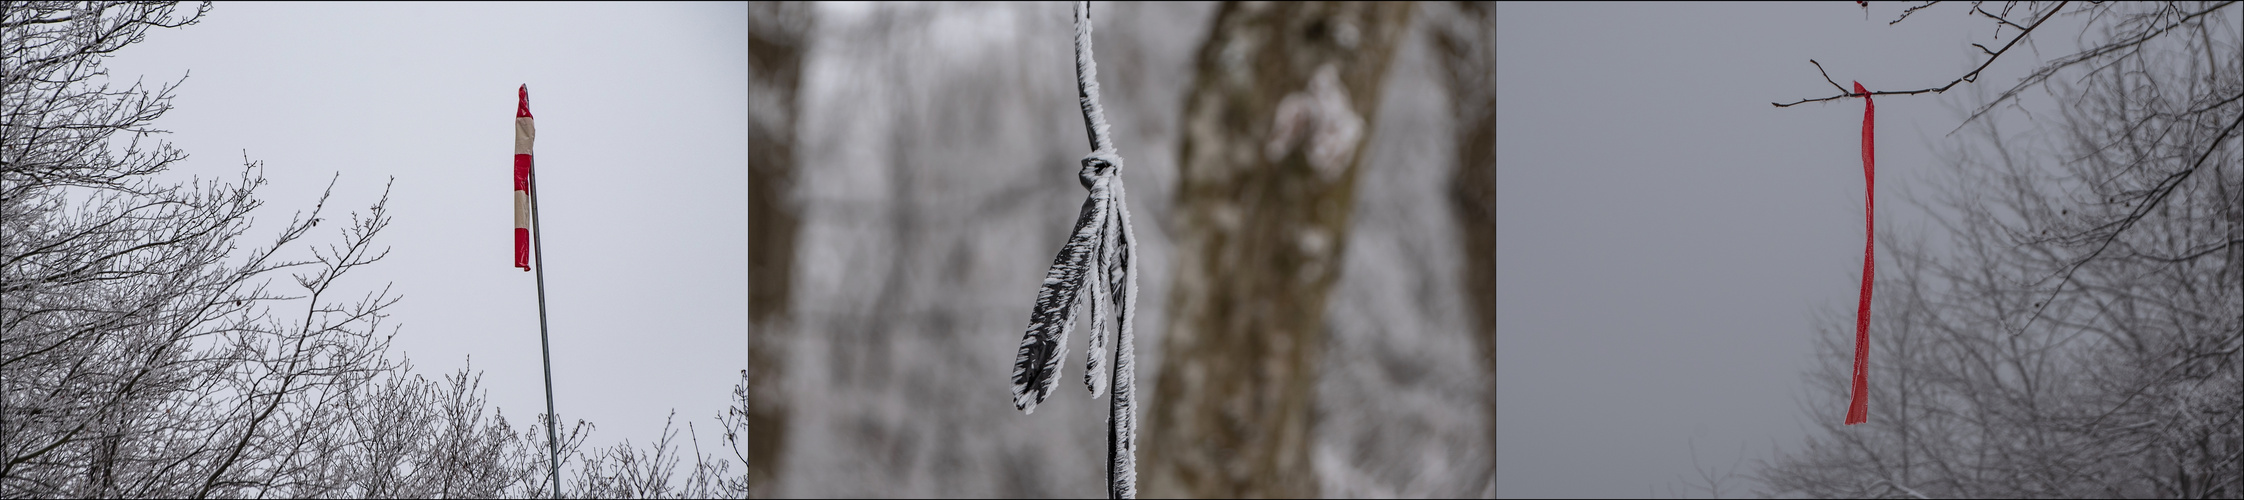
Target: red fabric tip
[
  {"x": 523, "y": 110},
  {"x": 522, "y": 248},
  {"x": 1859, "y": 410}
]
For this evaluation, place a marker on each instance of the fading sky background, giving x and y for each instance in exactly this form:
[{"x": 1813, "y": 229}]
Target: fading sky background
[
  {"x": 1665, "y": 236},
  {"x": 642, "y": 119}
]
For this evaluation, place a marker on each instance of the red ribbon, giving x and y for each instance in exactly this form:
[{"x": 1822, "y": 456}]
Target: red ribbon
[{"x": 1859, "y": 410}]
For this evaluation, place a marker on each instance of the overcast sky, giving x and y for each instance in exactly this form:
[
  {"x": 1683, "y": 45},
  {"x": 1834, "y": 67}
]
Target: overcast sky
[
  {"x": 1665, "y": 237},
  {"x": 642, "y": 124}
]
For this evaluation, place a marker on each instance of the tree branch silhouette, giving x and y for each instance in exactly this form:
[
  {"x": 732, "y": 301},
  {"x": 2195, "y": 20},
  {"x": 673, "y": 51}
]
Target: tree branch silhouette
[{"x": 1972, "y": 76}]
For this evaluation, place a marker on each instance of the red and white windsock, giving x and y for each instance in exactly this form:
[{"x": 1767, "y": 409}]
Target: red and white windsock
[{"x": 524, "y": 134}]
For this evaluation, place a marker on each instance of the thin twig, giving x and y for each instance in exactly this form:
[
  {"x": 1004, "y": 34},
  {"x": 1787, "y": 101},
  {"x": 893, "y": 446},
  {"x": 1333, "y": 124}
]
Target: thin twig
[
  {"x": 1991, "y": 15},
  {"x": 1911, "y": 10},
  {"x": 1973, "y": 76},
  {"x": 1827, "y": 76}
]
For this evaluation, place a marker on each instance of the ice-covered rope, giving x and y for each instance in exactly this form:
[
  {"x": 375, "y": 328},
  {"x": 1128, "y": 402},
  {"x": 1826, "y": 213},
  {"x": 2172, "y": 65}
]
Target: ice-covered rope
[
  {"x": 1098, "y": 250},
  {"x": 1087, "y": 83}
]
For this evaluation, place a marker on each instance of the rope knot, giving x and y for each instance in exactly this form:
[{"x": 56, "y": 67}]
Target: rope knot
[{"x": 1098, "y": 167}]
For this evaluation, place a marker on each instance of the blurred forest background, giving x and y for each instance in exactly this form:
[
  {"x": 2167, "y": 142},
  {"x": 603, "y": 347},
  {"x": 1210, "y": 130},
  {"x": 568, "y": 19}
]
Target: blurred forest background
[{"x": 1318, "y": 306}]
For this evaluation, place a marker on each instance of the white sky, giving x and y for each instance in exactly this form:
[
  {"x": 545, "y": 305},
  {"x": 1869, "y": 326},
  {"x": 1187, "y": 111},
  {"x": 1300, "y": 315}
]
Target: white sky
[
  {"x": 641, "y": 154},
  {"x": 1665, "y": 236}
]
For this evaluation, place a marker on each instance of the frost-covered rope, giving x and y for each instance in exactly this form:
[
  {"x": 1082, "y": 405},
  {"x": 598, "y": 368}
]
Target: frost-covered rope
[
  {"x": 1122, "y": 415},
  {"x": 1087, "y": 82},
  {"x": 1100, "y": 251}
]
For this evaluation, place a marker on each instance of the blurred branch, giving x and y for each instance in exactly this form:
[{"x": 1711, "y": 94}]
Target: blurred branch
[{"x": 1713, "y": 481}]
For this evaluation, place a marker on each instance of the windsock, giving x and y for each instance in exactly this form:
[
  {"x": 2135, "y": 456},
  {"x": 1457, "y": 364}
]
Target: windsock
[{"x": 524, "y": 134}]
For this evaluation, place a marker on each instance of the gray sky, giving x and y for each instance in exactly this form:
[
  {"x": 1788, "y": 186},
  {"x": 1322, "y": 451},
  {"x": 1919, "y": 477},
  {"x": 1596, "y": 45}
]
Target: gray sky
[
  {"x": 642, "y": 124},
  {"x": 1665, "y": 236}
]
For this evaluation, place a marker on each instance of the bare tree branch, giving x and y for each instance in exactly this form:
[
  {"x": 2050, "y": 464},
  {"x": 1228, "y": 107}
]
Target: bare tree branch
[{"x": 1971, "y": 76}]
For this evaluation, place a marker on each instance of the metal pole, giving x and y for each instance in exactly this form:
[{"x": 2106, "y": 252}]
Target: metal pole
[{"x": 537, "y": 252}]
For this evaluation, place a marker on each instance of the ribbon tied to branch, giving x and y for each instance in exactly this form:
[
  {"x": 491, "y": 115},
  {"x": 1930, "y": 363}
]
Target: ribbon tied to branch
[{"x": 1858, "y": 408}]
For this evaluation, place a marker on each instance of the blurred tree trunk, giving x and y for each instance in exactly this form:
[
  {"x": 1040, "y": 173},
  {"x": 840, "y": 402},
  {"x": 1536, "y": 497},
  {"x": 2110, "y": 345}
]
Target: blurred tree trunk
[
  {"x": 775, "y": 52},
  {"x": 1468, "y": 48},
  {"x": 1285, "y": 95}
]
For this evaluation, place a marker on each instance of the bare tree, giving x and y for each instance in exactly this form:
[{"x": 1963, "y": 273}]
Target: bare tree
[
  {"x": 2084, "y": 334},
  {"x": 142, "y": 355},
  {"x": 625, "y": 471},
  {"x": 1712, "y": 481}
]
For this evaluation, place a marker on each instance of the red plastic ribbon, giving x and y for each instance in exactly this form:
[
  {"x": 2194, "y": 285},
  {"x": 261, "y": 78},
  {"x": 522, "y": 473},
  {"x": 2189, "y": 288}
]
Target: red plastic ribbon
[{"x": 1859, "y": 410}]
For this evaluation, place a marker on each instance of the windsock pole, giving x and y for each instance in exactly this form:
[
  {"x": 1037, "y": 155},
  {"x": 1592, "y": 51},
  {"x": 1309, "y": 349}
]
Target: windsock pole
[
  {"x": 524, "y": 136},
  {"x": 552, "y": 437}
]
